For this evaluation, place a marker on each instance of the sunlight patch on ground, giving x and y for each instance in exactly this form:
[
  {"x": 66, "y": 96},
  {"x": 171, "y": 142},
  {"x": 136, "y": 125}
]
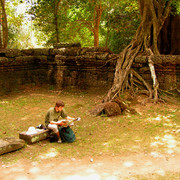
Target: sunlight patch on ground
[
  {"x": 52, "y": 153},
  {"x": 4, "y": 102},
  {"x": 165, "y": 119},
  {"x": 148, "y": 163},
  {"x": 44, "y": 178},
  {"x": 158, "y": 118},
  {"x": 90, "y": 170},
  {"x": 24, "y": 118},
  {"x": 128, "y": 164},
  {"x": 168, "y": 141},
  {"x": 79, "y": 177},
  {"x": 161, "y": 172},
  {"x": 156, "y": 154},
  {"x": 34, "y": 170},
  {"x": 112, "y": 178},
  {"x": 16, "y": 169},
  {"x": 106, "y": 146},
  {"x": 21, "y": 178}
]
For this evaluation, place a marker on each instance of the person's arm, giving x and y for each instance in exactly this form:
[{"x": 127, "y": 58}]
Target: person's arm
[
  {"x": 49, "y": 117},
  {"x": 70, "y": 120},
  {"x": 60, "y": 123}
]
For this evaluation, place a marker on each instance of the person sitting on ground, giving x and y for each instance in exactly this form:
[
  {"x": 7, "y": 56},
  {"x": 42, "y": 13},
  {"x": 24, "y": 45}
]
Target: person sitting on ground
[{"x": 52, "y": 118}]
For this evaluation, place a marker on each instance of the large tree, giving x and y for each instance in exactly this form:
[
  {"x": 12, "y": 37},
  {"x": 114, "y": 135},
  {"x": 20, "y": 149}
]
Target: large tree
[
  {"x": 88, "y": 14},
  {"x": 153, "y": 15},
  {"x": 3, "y": 26},
  {"x": 121, "y": 19},
  {"x": 50, "y": 17}
]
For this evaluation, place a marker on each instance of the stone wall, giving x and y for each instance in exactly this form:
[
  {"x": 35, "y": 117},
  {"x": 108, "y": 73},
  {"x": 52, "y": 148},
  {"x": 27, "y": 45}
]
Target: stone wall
[
  {"x": 84, "y": 67},
  {"x": 76, "y": 66},
  {"x": 18, "y": 68},
  {"x": 167, "y": 70}
]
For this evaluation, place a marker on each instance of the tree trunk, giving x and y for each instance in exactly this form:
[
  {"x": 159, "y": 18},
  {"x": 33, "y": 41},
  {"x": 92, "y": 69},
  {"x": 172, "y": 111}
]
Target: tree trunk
[
  {"x": 169, "y": 38},
  {"x": 93, "y": 26},
  {"x": 96, "y": 37},
  {"x": 1, "y": 30},
  {"x": 97, "y": 18},
  {"x": 153, "y": 14},
  {"x": 56, "y": 20},
  {"x": 4, "y": 36}
]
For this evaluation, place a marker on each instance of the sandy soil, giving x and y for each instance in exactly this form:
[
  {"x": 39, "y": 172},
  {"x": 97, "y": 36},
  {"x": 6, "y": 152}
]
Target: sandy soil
[{"x": 103, "y": 167}]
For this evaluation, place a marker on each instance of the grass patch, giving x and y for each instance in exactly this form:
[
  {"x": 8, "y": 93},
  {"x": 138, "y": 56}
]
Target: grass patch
[{"x": 154, "y": 128}]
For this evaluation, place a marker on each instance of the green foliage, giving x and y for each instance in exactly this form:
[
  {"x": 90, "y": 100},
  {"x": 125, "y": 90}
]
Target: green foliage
[
  {"x": 115, "y": 22},
  {"x": 75, "y": 19},
  {"x": 44, "y": 21},
  {"x": 175, "y": 7},
  {"x": 122, "y": 21},
  {"x": 19, "y": 30}
]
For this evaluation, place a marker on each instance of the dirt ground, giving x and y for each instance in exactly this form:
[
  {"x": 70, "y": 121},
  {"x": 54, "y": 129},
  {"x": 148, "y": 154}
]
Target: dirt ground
[
  {"x": 107, "y": 168},
  {"x": 133, "y": 166}
]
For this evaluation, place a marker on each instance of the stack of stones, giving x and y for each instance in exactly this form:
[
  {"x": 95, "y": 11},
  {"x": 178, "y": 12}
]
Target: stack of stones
[{"x": 70, "y": 65}]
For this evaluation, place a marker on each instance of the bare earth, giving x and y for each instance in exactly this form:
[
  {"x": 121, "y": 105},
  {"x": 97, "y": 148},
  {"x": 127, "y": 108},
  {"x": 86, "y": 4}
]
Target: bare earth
[
  {"x": 54, "y": 166},
  {"x": 107, "y": 168}
]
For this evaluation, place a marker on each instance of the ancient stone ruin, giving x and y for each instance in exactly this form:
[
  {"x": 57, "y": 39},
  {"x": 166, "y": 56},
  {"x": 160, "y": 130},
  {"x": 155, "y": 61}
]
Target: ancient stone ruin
[
  {"x": 10, "y": 144},
  {"x": 75, "y": 66}
]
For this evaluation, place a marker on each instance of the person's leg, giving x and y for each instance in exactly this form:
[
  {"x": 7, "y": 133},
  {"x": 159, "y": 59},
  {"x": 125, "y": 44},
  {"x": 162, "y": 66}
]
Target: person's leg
[{"x": 54, "y": 128}]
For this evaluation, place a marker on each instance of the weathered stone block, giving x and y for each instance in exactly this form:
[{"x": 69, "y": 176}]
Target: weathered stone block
[
  {"x": 33, "y": 138},
  {"x": 65, "y": 45},
  {"x": 102, "y": 55},
  {"x": 36, "y": 52},
  {"x": 113, "y": 56},
  {"x": 10, "y": 52},
  {"x": 3, "y": 60},
  {"x": 90, "y": 55},
  {"x": 178, "y": 60},
  {"x": 60, "y": 58},
  {"x": 10, "y": 144},
  {"x": 157, "y": 59},
  {"x": 41, "y": 59},
  {"x": 24, "y": 59},
  {"x": 60, "y": 51},
  {"x": 141, "y": 59},
  {"x": 27, "y": 52},
  {"x": 73, "y": 51},
  {"x": 43, "y": 51}
]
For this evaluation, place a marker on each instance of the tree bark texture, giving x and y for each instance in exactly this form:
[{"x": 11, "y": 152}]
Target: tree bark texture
[
  {"x": 153, "y": 15},
  {"x": 93, "y": 25},
  {"x": 56, "y": 8},
  {"x": 4, "y": 35},
  {"x": 97, "y": 18},
  {"x": 169, "y": 38},
  {"x": 1, "y": 30}
]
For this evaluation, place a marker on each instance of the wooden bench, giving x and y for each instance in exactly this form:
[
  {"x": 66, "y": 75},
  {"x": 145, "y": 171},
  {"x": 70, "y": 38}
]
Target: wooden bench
[{"x": 33, "y": 138}]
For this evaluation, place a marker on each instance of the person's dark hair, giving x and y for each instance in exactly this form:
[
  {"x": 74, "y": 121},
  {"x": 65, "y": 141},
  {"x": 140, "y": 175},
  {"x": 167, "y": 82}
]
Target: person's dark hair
[{"x": 59, "y": 103}]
